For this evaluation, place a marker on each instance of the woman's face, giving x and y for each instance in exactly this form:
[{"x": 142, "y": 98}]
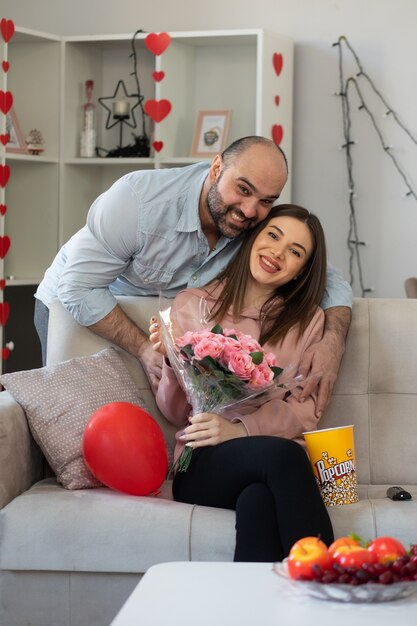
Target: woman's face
[{"x": 280, "y": 252}]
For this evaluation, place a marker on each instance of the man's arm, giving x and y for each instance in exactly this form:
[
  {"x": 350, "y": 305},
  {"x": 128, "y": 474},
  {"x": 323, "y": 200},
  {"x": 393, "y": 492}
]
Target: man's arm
[
  {"x": 321, "y": 361},
  {"x": 118, "y": 328}
]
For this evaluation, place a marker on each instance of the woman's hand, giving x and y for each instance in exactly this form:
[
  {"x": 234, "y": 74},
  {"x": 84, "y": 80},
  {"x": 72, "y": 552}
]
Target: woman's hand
[
  {"x": 155, "y": 336},
  {"x": 209, "y": 429}
]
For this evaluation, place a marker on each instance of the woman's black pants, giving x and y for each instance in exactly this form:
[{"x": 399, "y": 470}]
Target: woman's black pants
[{"x": 269, "y": 482}]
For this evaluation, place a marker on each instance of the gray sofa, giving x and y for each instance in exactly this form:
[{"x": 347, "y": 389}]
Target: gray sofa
[{"x": 73, "y": 557}]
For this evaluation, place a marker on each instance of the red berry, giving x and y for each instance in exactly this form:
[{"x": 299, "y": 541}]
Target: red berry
[{"x": 386, "y": 577}]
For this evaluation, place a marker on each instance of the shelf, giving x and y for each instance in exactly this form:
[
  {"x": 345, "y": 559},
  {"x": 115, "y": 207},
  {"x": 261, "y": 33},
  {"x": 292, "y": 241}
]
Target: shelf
[{"x": 30, "y": 158}]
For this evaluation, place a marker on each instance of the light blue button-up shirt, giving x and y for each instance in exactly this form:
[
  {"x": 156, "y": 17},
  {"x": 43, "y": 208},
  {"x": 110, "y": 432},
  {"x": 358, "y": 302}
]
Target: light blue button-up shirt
[{"x": 143, "y": 237}]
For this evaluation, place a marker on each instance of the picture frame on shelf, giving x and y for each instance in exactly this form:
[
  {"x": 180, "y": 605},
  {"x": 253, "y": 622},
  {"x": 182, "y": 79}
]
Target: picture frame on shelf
[
  {"x": 16, "y": 143},
  {"x": 210, "y": 134}
]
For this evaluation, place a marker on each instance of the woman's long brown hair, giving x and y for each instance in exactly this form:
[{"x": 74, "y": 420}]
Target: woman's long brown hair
[{"x": 291, "y": 305}]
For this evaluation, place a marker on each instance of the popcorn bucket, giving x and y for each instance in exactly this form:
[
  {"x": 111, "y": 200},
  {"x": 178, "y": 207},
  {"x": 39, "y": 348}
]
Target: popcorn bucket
[{"x": 332, "y": 457}]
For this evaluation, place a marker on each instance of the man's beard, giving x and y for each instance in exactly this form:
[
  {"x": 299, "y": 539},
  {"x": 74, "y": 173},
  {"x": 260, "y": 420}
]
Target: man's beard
[{"x": 219, "y": 210}]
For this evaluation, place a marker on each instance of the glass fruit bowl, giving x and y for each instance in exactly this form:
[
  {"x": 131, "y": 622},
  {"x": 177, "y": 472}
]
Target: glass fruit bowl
[{"x": 337, "y": 592}]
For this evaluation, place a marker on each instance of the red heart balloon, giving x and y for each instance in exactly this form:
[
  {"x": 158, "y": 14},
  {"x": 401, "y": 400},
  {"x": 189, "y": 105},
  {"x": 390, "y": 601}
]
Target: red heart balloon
[
  {"x": 158, "y": 76},
  {"x": 4, "y": 312},
  {"x": 7, "y": 29},
  {"x": 4, "y": 246},
  {"x": 278, "y": 61},
  {"x": 4, "y": 175},
  {"x": 157, "y": 109},
  {"x": 125, "y": 449},
  {"x": 4, "y": 139},
  {"x": 158, "y": 145},
  {"x": 157, "y": 43},
  {"x": 277, "y": 133},
  {"x": 6, "y": 101},
  {"x": 277, "y": 100},
  {"x": 3, "y": 209},
  {"x": 6, "y": 66},
  {"x": 5, "y": 353},
  {"x": 2, "y": 284}
]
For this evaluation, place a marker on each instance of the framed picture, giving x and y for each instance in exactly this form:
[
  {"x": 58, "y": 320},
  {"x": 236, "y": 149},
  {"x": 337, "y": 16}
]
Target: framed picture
[
  {"x": 16, "y": 142},
  {"x": 210, "y": 133}
]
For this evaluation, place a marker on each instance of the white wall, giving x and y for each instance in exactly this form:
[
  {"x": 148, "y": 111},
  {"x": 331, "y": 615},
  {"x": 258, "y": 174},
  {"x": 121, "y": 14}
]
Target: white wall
[{"x": 383, "y": 34}]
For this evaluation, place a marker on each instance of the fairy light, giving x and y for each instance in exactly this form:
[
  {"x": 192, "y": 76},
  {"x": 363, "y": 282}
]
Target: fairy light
[{"x": 354, "y": 242}]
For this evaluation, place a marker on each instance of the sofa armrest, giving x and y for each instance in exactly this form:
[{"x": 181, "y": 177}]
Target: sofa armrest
[{"x": 21, "y": 461}]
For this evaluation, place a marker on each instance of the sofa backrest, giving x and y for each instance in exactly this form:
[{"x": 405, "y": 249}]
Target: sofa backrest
[{"x": 376, "y": 390}]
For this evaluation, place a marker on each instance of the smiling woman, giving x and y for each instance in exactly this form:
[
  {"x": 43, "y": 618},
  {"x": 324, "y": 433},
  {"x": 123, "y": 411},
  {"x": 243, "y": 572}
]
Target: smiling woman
[{"x": 253, "y": 460}]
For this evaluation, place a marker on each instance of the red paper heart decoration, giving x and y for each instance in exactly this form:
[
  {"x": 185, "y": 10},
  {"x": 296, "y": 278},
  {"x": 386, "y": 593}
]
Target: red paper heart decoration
[
  {"x": 5, "y": 66},
  {"x": 157, "y": 109},
  {"x": 277, "y": 133},
  {"x": 4, "y": 313},
  {"x": 277, "y": 100},
  {"x": 6, "y": 101},
  {"x": 158, "y": 145},
  {"x": 5, "y": 353},
  {"x": 2, "y": 284},
  {"x": 278, "y": 62},
  {"x": 4, "y": 175},
  {"x": 4, "y": 246},
  {"x": 157, "y": 43},
  {"x": 7, "y": 29},
  {"x": 4, "y": 139},
  {"x": 3, "y": 209},
  {"x": 158, "y": 76}
]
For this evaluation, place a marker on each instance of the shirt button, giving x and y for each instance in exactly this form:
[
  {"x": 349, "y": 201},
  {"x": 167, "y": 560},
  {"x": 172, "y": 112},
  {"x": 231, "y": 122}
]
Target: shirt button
[
  {"x": 146, "y": 280},
  {"x": 194, "y": 277}
]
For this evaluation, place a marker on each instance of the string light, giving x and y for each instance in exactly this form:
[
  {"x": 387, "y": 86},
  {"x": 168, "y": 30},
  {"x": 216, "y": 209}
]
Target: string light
[{"x": 354, "y": 242}]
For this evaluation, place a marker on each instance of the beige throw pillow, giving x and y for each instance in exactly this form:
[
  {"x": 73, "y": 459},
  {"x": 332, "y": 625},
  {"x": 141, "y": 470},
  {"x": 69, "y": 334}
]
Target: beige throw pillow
[{"x": 58, "y": 401}]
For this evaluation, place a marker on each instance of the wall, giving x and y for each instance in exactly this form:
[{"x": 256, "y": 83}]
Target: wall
[{"x": 382, "y": 34}]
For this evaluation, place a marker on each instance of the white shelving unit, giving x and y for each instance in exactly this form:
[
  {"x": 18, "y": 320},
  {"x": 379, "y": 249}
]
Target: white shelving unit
[{"x": 49, "y": 195}]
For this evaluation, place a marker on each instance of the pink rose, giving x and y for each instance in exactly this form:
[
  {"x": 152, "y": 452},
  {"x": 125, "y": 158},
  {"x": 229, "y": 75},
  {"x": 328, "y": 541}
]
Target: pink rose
[
  {"x": 241, "y": 364},
  {"x": 209, "y": 345},
  {"x": 261, "y": 376},
  {"x": 271, "y": 359}
]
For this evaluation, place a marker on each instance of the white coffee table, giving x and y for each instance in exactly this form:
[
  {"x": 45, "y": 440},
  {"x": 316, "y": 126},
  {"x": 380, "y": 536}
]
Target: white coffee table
[{"x": 244, "y": 594}]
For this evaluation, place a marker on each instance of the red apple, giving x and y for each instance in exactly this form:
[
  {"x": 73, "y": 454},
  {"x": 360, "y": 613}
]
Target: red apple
[
  {"x": 353, "y": 556},
  {"x": 305, "y": 554},
  {"x": 386, "y": 549},
  {"x": 342, "y": 542}
]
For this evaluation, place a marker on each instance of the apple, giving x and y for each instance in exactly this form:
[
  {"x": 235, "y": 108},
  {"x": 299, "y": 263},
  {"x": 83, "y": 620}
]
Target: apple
[
  {"x": 353, "y": 556},
  {"x": 304, "y": 555},
  {"x": 386, "y": 549},
  {"x": 341, "y": 542}
]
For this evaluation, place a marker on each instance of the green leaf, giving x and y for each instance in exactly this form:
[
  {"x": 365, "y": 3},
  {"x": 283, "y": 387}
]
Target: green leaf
[
  {"x": 257, "y": 357},
  {"x": 217, "y": 330},
  {"x": 277, "y": 370}
]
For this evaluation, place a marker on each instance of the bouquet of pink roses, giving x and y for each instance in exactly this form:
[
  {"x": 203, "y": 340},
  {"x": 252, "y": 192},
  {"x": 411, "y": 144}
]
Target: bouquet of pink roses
[{"x": 220, "y": 369}]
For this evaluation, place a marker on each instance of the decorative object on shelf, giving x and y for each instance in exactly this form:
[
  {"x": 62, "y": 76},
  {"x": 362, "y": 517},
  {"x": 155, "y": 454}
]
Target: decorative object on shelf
[
  {"x": 34, "y": 142},
  {"x": 278, "y": 61},
  {"x": 157, "y": 43},
  {"x": 122, "y": 113},
  {"x": 354, "y": 241},
  {"x": 16, "y": 143},
  {"x": 88, "y": 133},
  {"x": 11, "y": 140},
  {"x": 210, "y": 133},
  {"x": 277, "y": 133},
  {"x": 157, "y": 110}
]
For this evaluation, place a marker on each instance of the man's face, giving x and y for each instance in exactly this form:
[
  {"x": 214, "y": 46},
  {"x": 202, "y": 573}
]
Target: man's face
[{"x": 243, "y": 193}]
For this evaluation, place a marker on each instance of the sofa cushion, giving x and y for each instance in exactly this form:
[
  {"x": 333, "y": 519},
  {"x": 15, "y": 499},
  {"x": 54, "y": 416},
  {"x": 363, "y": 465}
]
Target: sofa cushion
[{"x": 59, "y": 400}]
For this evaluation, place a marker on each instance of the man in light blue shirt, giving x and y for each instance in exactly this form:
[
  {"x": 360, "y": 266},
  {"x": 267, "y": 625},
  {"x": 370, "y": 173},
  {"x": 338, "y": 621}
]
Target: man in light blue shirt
[{"x": 156, "y": 232}]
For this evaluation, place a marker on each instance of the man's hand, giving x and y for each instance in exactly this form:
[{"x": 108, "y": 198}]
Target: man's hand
[
  {"x": 321, "y": 362},
  {"x": 152, "y": 364},
  {"x": 209, "y": 429}
]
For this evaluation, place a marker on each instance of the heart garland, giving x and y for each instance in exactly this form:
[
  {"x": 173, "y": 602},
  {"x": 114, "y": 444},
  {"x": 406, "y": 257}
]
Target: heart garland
[
  {"x": 158, "y": 76},
  {"x": 6, "y": 101},
  {"x": 4, "y": 175},
  {"x": 4, "y": 246},
  {"x": 278, "y": 62},
  {"x": 5, "y": 139},
  {"x": 158, "y": 145},
  {"x": 3, "y": 209},
  {"x": 277, "y": 133},
  {"x": 2, "y": 284},
  {"x": 157, "y": 109},
  {"x": 5, "y": 353},
  {"x": 157, "y": 43},
  {"x": 5, "y": 66},
  {"x": 4, "y": 313},
  {"x": 7, "y": 29}
]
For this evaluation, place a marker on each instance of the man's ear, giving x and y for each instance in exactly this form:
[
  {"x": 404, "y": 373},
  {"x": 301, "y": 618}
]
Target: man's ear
[{"x": 216, "y": 167}]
